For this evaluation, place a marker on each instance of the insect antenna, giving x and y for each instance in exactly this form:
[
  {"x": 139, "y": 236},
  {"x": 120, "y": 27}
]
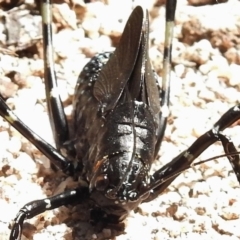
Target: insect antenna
[
  {"x": 234, "y": 162},
  {"x": 216, "y": 157},
  {"x": 230, "y": 155}
]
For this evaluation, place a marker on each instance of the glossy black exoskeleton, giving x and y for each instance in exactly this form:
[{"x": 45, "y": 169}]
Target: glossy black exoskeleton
[{"x": 116, "y": 118}]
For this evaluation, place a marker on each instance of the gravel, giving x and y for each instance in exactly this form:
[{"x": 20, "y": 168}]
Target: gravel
[{"x": 202, "y": 203}]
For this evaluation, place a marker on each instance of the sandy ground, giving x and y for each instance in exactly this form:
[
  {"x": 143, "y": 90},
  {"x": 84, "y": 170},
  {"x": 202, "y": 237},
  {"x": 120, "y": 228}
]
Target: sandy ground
[{"x": 204, "y": 202}]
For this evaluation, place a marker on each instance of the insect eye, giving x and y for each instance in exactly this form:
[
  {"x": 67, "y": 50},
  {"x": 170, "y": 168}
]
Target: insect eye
[{"x": 101, "y": 182}]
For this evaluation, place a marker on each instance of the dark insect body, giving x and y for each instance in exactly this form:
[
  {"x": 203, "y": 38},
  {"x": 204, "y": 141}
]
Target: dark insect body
[{"x": 119, "y": 119}]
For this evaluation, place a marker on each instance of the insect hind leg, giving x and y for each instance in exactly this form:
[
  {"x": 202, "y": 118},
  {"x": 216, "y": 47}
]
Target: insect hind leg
[
  {"x": 232, "y": 115},
  {"x": 55, "y": 106},
  {"x": 167, "y": 62},
  {"x": 163, "y": 177}
]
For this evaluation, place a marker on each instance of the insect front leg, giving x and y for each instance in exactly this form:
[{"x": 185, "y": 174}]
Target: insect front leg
[
  {"x": 36, "y": 207},
  {"x": 162, "y": 178}
]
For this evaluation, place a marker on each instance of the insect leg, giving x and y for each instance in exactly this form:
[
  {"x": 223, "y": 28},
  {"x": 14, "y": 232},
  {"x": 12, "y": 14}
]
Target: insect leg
[
  {"x": 36, "y": 207},
  {"x": 162, "y": 178},
  {"x": 49, "y": 151},
  {"x": 224, "y": 122},
  {"x": 167, "y": 62},
  {"x": 54, "y": 156},
  {"x": 229, "y": 147},
  {"x": 55, "y": 107}
]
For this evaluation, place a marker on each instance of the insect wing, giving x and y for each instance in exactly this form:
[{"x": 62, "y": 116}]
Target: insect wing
[
  {"x": 142, "y": 78},
  {"x": 150, "y": 80},
  {"x": 152, "y": 90},
  {"x": 136, "y": 80},
  {"x": 116, "y": 73}
]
